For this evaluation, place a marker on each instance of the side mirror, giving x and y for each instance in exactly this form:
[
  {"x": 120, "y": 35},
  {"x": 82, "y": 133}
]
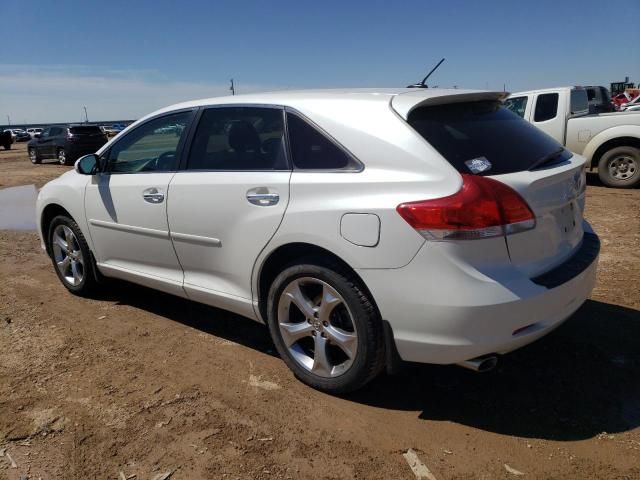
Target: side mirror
[{"x": 87, "y": 165}]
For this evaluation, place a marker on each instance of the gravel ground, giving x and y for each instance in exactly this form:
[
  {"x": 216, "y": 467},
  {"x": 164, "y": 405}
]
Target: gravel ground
[{"x": 139, "y": 382}]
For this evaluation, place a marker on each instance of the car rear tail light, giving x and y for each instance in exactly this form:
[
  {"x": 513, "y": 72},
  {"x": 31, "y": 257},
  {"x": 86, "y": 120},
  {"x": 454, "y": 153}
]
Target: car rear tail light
[{"x": 482, "y": 208}]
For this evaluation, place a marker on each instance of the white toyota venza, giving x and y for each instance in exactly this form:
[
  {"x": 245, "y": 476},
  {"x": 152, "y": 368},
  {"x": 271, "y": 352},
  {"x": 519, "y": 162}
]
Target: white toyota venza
[{"x": 364, "y": 227}]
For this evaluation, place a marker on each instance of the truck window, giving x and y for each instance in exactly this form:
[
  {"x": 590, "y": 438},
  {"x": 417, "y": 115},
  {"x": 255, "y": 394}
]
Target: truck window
[
  {"x": 517, "y": 105},
  {"x": 579, "y": 101},
  {"x": 546, "y": 107},
  {"x": 485, "y": 133}
]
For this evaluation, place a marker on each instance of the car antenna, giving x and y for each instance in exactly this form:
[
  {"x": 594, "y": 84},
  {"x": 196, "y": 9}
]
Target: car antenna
[{"x": 423, "y": 84}]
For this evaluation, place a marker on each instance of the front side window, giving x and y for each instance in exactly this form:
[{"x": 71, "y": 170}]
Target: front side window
[
  {"x": 152, "y": 147},
  {"x": 546, "y": 107},
  {"x": 55, "y": 131},
  {"x": 312, "y": 150},
  {"x": 45, "y": 133},
  {"x": 239, "y": 139},
  {"x": 517, "y": 105}
]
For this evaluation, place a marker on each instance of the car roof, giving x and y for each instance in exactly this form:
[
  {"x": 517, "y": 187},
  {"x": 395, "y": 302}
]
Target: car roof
[{"x": 330, "y": 98}]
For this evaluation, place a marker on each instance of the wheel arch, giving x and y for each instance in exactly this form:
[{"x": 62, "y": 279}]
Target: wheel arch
[
  {"x": 628, "y": 135},
  {"x": 290, "y": 254},
  {"x": 49, "y": 212}
]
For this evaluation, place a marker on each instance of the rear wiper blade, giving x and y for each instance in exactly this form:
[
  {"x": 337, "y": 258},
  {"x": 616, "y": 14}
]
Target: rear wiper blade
[{"x": 547, "y": 159}]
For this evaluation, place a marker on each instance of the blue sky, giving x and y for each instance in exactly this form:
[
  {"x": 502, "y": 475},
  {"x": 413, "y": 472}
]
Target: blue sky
[{"x": 125, "y": 58}]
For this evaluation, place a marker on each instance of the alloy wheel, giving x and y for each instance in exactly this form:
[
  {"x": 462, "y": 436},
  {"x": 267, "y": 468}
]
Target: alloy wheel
[
  {"x": 317, "y": 327},
  {"x": 33, "y": 156},
  {"x": 68, "y": 255},
  {"x": 62, "y": 157}
]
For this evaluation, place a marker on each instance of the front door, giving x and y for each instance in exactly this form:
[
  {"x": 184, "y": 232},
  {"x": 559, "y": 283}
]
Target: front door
[
  {"x": 126, "y": 204},
  {"x": 45, "y": 143},
  {"x": 228, "y": 202}
]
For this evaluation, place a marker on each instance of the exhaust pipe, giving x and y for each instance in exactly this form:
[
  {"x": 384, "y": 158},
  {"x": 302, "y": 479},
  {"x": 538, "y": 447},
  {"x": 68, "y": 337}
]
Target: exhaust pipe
[{"x": 480, "y": 364}]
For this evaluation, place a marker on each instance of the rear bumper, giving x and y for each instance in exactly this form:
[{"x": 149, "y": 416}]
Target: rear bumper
[{"x": 442, "y": 311}]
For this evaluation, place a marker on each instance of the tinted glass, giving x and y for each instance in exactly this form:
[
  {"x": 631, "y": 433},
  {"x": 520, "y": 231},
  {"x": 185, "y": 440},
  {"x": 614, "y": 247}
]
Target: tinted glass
[
  {"x": 517, "y": 105},
  {"x": 463, "y": 132},
  {"x": 151, "y": 147},
  {"x": 312, "y": 150},
  {"x": 55, "y": 131},
  {"x": 546, "y": 107},
  {"x": 591, "y": 93},
  {"x": 579, "y": 101},
  {"x": 239, "y": 138},
  {"x": 88, "y": 130}
]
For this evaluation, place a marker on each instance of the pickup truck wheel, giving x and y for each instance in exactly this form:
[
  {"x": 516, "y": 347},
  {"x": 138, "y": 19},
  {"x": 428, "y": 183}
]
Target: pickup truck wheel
[{"x": 620, "y": 167}]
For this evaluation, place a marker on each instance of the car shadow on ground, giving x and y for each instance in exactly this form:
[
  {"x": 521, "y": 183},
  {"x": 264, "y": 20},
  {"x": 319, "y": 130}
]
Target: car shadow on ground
[{"x": 579, "y": 381}]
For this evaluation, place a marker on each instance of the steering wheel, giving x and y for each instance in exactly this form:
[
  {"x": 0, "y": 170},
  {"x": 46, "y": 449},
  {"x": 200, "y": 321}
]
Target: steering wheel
[{"x": 166, "y": 161}]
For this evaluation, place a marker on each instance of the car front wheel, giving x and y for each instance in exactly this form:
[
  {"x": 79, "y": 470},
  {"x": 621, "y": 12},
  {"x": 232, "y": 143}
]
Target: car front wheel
[
  {"x": 325, "y": 327},
  {"x": 71, "y": 256},
  {"x": 33, "y": 156}
]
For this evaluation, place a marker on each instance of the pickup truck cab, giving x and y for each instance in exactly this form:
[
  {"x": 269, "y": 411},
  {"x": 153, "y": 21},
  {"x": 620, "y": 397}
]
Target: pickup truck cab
[{"x": 609, "y": 141}]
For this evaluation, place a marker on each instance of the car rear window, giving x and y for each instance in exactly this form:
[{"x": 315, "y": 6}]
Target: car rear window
[
  {"x": 88, "y": 130},
  {"x": 484, "y": 138}
]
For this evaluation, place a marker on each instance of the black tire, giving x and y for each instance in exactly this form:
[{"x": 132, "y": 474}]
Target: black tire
[
  {"x": 620, "y": 167},
  {"x": 34, "y": 157},
  {"x": 369, "y": 358},
  {"x": 61, "y": 155},
  {"x": 88, "y": 283}
]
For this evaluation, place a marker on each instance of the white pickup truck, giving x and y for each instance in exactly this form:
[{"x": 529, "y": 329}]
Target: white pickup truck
[{"x": 609, "y": 141}]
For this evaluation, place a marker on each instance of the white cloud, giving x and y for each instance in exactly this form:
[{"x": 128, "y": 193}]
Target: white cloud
[{"x": 57, "y": 94}]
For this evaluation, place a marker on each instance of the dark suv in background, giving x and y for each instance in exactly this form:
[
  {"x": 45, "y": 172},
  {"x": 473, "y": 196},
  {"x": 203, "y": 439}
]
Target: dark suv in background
[{"x": 66, "y": 143}]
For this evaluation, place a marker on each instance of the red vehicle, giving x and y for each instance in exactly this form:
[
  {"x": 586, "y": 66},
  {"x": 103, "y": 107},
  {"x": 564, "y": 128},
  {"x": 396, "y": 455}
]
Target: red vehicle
[{"x": 621, "y": 98}]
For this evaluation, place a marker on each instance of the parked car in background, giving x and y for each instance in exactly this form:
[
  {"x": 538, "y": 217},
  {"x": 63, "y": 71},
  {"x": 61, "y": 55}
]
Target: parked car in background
[
  {"x": 6, "y": 139},
  {"x": 33, "y": 131},
  {"x": 632, "y": 104},
  {"x": 619, "y": 99},
  {"x": 609, "y": 141},
  {"x": 599, "y": 100},
  {"x": 65, "y": 143},
  {"x": 361, "y": 226},
  {"x": 18, "y": 135},
  {"x": 109, "y": 130}
]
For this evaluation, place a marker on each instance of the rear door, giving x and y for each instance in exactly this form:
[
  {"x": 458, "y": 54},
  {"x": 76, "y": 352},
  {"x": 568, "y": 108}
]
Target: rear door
[
  {"x": 228, "y": 202},
  {"x": 550, "y": 178}
]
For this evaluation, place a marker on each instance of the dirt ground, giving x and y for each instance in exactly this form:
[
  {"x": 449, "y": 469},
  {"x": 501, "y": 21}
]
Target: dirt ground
[{"x": 142, "y": 383}]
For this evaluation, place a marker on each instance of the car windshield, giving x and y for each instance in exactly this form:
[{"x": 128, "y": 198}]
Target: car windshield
[{"x": 484, "y": 137}]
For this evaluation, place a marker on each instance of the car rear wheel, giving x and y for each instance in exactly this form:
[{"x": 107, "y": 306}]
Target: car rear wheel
[
  {"x": 62, "y": 156},
  {"x": 325, "y": 327},
  {"x": 620, "y": 167},
  {"x": 33, "y": 156},
  {"x": 71, "y": 256}
]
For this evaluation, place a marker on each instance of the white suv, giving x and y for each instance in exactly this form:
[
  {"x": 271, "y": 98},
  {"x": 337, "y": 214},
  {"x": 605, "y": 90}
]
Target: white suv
[{"x": 362, "y": 226}]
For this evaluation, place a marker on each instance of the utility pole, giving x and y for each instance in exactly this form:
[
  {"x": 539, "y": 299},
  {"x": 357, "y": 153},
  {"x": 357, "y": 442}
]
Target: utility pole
[
  {"x": 9, "y": 120},
  {"x": 232, "y": 88},
  {"x": 86, "y": 117}
]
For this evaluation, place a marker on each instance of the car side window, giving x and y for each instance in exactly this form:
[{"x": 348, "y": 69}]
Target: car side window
[
  {"x": 45, "y": 133},
  {"x": 517, "y": 105},
  {"x": 151, "y": 147},
  {"x": 312, "y": 150},
  {"x": 546, "y": 107},
  {"x": 239, "y": 139},
  {"x": 55, "y": 131}
]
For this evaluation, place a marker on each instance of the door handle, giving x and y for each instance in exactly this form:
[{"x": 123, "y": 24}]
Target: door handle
[
  {"x": 262, "y": 197},
  {"x": 153, "y": 195}
]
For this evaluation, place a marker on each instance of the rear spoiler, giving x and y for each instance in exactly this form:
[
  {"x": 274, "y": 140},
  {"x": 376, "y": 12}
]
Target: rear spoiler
[{"x": 405, "y": 103}]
